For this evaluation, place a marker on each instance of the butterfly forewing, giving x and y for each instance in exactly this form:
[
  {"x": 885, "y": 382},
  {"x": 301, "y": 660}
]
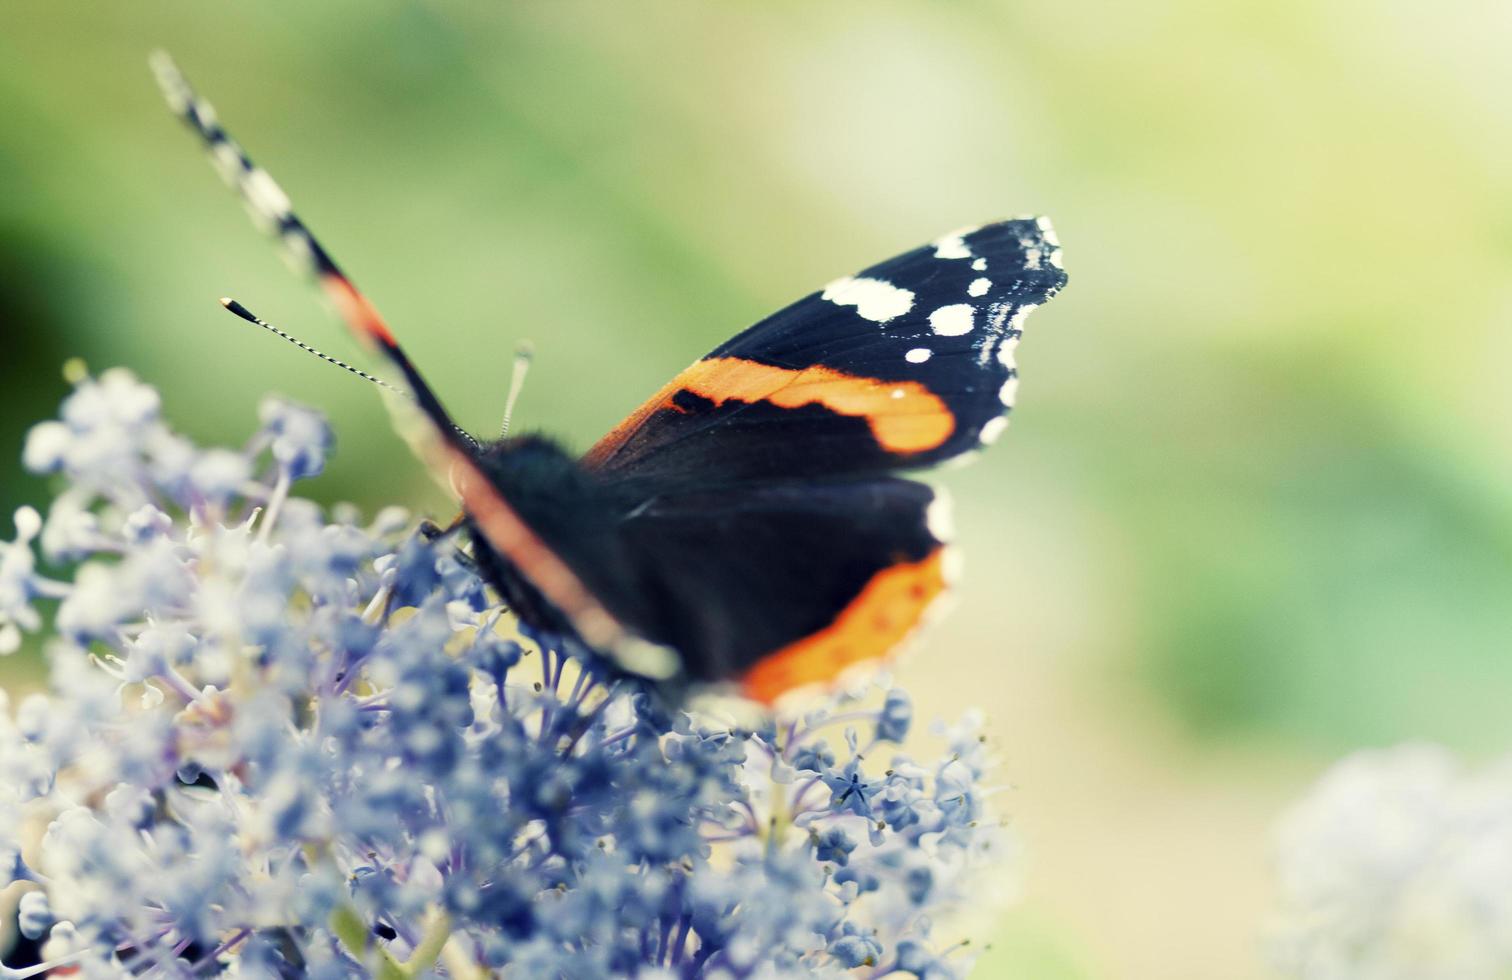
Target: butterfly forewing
[{"x": 907, "y": 363}]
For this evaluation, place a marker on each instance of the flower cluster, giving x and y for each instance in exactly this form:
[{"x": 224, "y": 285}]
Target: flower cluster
[
  {"x": 1398, "y": 866},
  {"x": 282, "y": 742}
]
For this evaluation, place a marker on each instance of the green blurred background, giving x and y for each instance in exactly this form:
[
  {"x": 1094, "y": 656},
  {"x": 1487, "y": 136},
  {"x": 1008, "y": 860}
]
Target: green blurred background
[{"x": 1254, "y": 507}]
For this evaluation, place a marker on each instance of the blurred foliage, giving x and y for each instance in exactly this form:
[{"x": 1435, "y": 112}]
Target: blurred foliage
[{"x": 1259, "y": 474}]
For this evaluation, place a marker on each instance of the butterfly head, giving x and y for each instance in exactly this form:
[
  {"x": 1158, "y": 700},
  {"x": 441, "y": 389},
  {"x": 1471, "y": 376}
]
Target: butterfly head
[{"x": 533, "y": 468}]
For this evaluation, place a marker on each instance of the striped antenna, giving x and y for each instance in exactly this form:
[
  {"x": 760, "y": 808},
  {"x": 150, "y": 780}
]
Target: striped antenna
[
  {"x": 252, "y": 318},
  {"x": 524, "y": 354},
  {"x": 272, "y": 210},
  {"x": 451, "y": 451}
]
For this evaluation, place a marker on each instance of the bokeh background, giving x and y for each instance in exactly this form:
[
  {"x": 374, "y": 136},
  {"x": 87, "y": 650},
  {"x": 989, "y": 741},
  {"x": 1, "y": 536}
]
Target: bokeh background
[{"x": 1255, "y": 508}]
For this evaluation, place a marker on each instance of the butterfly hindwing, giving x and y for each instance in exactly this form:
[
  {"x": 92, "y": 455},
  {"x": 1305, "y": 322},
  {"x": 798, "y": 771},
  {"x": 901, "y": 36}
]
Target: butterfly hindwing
[
  {"x": 905, "y": 364},
  {"x": 785, "y": 584}
]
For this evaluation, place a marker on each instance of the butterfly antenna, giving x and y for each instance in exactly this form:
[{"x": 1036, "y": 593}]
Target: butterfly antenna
[
  {"x": 524, "y": 354},
  {"x": 272, "y": 210},
  {"x": 252, "y": 318}
]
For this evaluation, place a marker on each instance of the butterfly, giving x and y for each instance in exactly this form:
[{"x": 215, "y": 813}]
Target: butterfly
[{"x": 748, "y": 523}]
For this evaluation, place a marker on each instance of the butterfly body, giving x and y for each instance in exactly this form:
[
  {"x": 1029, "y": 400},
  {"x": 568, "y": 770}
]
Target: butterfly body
[
  {"x": 557, "y": 497},
  {"x": 749, "y": 522}
]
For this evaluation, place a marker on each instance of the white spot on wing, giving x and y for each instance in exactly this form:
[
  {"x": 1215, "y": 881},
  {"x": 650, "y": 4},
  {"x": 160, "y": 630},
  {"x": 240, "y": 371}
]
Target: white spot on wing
[
  {"x": 298, "y": 252},
  {"x": 952, "y": 564},
  {"x": 873, "y": 299},
  {"x": 979, "y": 265},
  {"x": 951, "y": 321},
  {"x": 1047, "y": 232},
  {"x": 1009, "y": 391},
  {"x": 898, "y": 393},
  {"x": 993, "y": 429},
  {"x": 953, "y": 245},
  {"x": 939, "y": 517},
  {"x": 227, "y": 162},
  {"x": 647, "y": 659},
  {"x": 265, "y": 194},
  {"x": 1011, "y": 332},
  {"x": 918, "y": 355},
  {"x": 979, "y": 287}
]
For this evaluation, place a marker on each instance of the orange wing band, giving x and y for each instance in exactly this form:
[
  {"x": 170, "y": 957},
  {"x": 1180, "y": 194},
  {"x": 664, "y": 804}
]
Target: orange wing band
[
  {"x": 359, "y": 314},
  {"x": 905, "y": 416},
  {"x": 872, "y": 625}
]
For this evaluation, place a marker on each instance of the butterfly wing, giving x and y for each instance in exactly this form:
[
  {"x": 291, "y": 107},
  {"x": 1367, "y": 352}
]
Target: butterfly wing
[
  {"x": 421, "y": 419},
  {"x": 780, "y": 547},
  {"x": 905, "y": 364},
  {"x": 773, "y": 586}
]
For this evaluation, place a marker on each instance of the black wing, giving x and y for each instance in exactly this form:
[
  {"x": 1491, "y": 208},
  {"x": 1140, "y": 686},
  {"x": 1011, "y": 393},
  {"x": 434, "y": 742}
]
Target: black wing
[
  {"x": 782, "y": 585},
  {"x": 905, "y": 364}
]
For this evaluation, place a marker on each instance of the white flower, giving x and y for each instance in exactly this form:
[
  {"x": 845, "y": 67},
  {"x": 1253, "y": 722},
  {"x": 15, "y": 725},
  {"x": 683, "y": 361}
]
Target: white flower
[
  {"x": 1398, "y": 866},
  {"x": 17, "y": 581}
]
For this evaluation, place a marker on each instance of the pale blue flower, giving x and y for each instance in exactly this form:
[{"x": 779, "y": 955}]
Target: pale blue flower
[{"x": 282, "y": 742}]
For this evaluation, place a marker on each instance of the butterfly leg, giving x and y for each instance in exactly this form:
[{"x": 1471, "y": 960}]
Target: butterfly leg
[{"x": 432, "y": 532}]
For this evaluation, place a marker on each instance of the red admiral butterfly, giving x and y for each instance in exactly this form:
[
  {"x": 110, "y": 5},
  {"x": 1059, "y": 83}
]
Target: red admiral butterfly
[{"x": 746, "y": 522}]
